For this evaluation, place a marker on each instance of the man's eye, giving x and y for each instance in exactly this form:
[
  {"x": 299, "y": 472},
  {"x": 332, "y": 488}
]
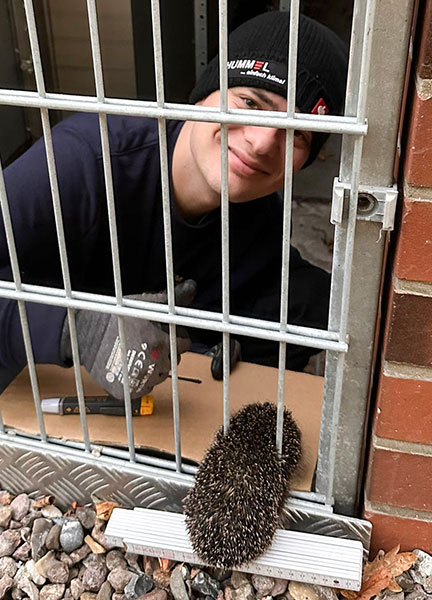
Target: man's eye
[{"x": 250, "y": 103}]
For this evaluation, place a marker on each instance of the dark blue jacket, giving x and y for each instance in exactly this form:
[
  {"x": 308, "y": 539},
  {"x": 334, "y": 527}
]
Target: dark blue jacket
[{"x": 255, "y": 240}]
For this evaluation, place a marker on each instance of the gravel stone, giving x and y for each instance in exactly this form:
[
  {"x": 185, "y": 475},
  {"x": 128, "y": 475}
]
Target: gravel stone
[
  {"x": 52, "y": 591},
  {"x": 52, "y": 541},
  {"x": 6, "y": 583},
  {"x": 9, "y": 541},
  {"x": 405, "y": 581},
  {"x": 327, "y": 593},
  {"x": 105, "y": 591},
  {"x": 32, "y": 570},
  {"x": 421, "y": 571},
  {"x": 44, "y": 563},
  {"x": 29, "y": 588},
  {"x": 22, "y": 552},
  {"x": 79, "y": 553},
  {"x": 76, "y": 588},
  {"x": 51, "y": 511},
  {"x": 218, "y": 573},
  {"x": 119, "y": 578},
  {"x": 66, "y": 559},
  {"x": 244, "y": 592},
  {"x": 238, "y": 579},
  {"x": 417, "y": 593},
  {"x": 150, "y": 564},
  {"x": 132, "y": 560},
  {"x": 117, "y": 596},
  {"x": 5, "y": 497},
  {"x": 25, "y": 534},
  {"x": 178, "y": 586},
  {"x": 162, "y": 578},
  {"x": 14, "y": 524},
  {"x": 58, "y": 572},
  {"x": 5, "y": 515},
  {"x": 38, "y": 537},
  {"x": 137, "y": 586},
  {"x": 86, "y": 516},
  {"x": 263, "y": 584},
  {"x": 71, "y": 535},
  {"x": 228, "y": 593},
  {"x": 279, "y": 588},
  {"x": 154, "y": 595},
  {"x": 94, "y": 576},
  {"x": 302, "y": 591},
  {"x": 17, "y": 594},
  {"x": 20, "y": 506},
  {"x": 30, "y": 518},
  {"x": 67, "y": 595},
  {"x": 97, "y": 534},
  {"x": 205, "y": 585},
  {"x": 88, "y": 596},
  {"x": 114, "y": 559},
  {"x": 7, "y": 566}
]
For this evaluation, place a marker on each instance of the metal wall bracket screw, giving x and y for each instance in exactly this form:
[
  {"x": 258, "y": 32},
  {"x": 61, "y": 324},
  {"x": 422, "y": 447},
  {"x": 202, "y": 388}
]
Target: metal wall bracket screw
[{"x": 375, "y": 203}]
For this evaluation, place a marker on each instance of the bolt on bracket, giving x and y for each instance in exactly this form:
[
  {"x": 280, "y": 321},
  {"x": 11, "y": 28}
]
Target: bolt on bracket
[{"x": 375, "y": 203}]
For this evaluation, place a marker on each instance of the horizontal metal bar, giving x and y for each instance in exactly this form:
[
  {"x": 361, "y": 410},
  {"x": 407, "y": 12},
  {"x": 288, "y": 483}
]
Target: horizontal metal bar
[
  {"x": 152, "y": 315},
  {"x": 325, "y": 123},
  {"x": 322, "y": 334}
]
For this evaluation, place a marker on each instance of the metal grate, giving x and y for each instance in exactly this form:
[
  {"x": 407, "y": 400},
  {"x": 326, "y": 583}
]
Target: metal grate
[{"x": 353, "y": 126}]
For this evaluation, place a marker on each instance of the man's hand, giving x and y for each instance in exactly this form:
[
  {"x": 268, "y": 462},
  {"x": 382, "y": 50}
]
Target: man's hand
[{"x": 147, "y": 345}]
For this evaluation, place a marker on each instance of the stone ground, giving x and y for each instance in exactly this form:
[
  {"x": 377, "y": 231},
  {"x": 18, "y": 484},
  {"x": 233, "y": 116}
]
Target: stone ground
[{"x": 47, "y": 554}]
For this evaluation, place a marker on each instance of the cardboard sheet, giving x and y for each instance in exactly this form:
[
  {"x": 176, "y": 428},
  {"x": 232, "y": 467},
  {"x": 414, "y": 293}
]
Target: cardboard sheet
[{"x": 200, "y": 408}]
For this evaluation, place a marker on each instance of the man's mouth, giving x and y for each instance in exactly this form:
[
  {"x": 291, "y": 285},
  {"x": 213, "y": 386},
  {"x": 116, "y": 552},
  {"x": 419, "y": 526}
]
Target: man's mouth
[{"x": 244, "y": 164}]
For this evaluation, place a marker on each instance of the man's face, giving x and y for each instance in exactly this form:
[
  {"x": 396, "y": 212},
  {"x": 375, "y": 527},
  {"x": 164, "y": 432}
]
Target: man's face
[{"x": 256, "y": 155}]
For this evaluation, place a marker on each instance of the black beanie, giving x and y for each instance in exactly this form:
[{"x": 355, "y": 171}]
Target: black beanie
[{"x": 258, "y": 51}]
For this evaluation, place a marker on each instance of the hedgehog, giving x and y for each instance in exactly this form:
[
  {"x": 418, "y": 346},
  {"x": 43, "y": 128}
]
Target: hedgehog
[{"x": 232, "y": 511}]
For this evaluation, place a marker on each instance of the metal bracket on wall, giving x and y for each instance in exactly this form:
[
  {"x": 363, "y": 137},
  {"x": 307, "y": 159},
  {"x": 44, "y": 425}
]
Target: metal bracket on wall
[{"x": 375, "y": 203}]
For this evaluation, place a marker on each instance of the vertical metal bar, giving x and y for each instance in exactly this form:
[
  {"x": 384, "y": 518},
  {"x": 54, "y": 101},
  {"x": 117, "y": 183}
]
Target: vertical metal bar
[
  {"x": 106, "y": 158},
  {"x": 52, "y": 173},
  {"x": 21, "y": 306},
  {"x": 286, "y": 239},
  {"x": 65, "y": 272},
  {"x": 200, "y": 30},
  {"x": 223, "y": 74},
  {"x": 166, "y": 207},
  {"x": 342, "y": 259}
]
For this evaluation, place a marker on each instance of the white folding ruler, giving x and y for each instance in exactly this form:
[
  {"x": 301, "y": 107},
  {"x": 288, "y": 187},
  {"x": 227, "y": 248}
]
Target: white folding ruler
[{"x": 293, "y": 555}]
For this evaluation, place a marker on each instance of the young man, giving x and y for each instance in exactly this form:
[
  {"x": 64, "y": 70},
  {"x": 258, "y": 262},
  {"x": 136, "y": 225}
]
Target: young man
[{"x": 256, "y": 80}]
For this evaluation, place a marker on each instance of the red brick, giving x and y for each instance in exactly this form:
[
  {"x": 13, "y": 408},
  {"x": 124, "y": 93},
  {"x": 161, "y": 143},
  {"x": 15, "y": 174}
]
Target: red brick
[
  {"x": 404, "y": 410},
  {"x": 400, "y": 479},
  {"x": 414, "y": 248},
  {"x": 388, "y": 531},
  {"x": 409, "y": 330},
  {"x": 418, "y": 171}
]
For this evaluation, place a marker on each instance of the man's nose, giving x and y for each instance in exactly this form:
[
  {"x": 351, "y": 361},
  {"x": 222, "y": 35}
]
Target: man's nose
[{"x": 264, "y": 140}]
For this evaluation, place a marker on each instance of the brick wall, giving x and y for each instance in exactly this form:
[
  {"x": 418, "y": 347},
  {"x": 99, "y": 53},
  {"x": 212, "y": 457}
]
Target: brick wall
[{"x": 399, "y": 480}]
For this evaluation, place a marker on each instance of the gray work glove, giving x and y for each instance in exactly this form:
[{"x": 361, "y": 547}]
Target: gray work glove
[{"x": 147, "y": 345}]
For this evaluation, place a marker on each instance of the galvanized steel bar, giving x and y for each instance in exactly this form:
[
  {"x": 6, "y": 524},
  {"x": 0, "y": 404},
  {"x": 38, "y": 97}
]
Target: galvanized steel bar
[
  {"x": 200, "y": 32},
  {"x": 140, "y": 108},
  {"x": 286, "y": 235},
  {"x": 46, "y": 128},
  {"x": 166, "y": 207},
  {"x": 10, "y": 240},
  {"x": 106, "y": 159},
  {"x": 52, "y": 173},
  {"x": 180, "y": 310},
  {"x": 223, "y": 99},
  {"x": 211, "y": 325},
  {"x": 342, "y": 264}
]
